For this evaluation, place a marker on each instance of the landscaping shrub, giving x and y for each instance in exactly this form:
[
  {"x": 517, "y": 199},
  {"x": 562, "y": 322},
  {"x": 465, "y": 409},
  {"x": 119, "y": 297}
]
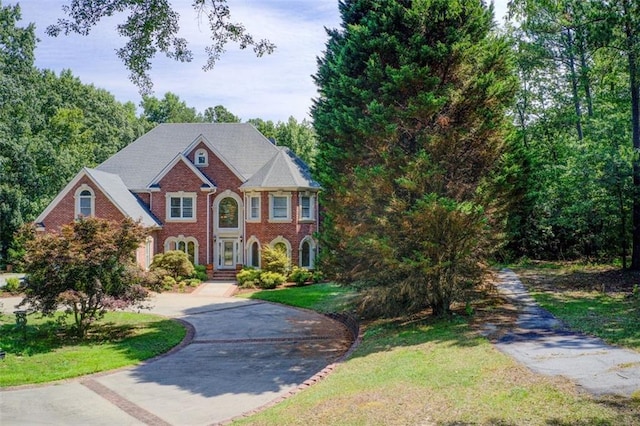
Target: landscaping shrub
[
  {"x": 270, "y": 280},
  {"x": 248, "y": 277},
  {"x": 317, "y": 277},
  {"x": 275, "y": 260},
  {"x": 201, "y": 273},
  {"x": 168, "y": 282},
  {"x": 176, "y": 262},
  {"x": 13, "y": 285},
  {"x": 300, "y": 275}
]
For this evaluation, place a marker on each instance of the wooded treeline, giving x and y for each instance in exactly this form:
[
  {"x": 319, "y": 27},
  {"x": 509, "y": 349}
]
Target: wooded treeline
[
  {"x": 52, "y": 125},
  {"x": 573, "y": 164}
]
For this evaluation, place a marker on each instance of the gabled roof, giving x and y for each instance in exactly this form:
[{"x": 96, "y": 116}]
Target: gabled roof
[
  {"x": 207, "y": 185},
  {"x": 284, "y": 171},
  {"x": 115, "y": 190},
  {"x": 237, "y": 144}
]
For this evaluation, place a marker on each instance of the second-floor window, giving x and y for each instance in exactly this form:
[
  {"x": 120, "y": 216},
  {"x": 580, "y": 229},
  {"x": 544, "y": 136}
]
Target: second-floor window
[
  {"x": 181, "y": 206},
  {"x": 280, "y": 207},
  {"x": 306, "y": 207},
  {"x": 254, "y": 208}
]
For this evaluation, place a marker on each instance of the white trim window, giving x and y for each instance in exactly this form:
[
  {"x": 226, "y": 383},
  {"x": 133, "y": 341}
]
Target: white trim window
[
  {"x": 253, "y": 208},
  {"x": 280, "y": 207},
  {"x": 253, "y": 252},
  {"x": 181, "y": 206},
  {"x": 306, "y": 204},
  {"x": 307, "y": 256},
  {"x": 228, "y": 214},
  {"x": 85, "y": 202},
  {"x": 201, "y": 158}
]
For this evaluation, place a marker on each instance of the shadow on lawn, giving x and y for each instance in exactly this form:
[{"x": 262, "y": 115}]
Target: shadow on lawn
[{"x": 42, "y": 337}]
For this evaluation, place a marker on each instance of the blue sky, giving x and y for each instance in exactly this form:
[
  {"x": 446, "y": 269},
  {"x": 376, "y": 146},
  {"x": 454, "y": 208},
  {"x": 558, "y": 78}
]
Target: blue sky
[{"x": 273, "y": 87}]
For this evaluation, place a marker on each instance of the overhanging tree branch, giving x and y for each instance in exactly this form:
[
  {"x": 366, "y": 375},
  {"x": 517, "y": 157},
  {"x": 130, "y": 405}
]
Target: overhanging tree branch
[{"x": 152, "y": 26}]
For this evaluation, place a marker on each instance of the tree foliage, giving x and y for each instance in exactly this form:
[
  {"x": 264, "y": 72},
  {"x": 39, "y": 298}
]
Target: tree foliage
[
  {"x": 50, "y": 127},
  {"x": 573, "y": 175},
  {"x": 88, "y": 268},
  {"x": 152, "y": 27},
  {"x": 410, "y": 122}
]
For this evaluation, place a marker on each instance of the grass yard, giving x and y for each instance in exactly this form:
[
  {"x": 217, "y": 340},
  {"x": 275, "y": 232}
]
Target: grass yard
[
  {"x": 325, "y": 297},
  {"x": 428, "y": 372},
  {"x": 119, "y": 339}
]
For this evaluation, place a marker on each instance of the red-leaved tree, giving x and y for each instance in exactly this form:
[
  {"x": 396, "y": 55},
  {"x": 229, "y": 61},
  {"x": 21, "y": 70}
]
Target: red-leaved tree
[{"x": 88, "y": 267}]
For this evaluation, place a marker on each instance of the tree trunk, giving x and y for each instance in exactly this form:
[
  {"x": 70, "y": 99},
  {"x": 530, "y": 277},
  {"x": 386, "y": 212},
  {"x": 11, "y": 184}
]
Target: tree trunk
[
  {"x": 574, "y": 82},
  {"x": 634, "y": 84}
]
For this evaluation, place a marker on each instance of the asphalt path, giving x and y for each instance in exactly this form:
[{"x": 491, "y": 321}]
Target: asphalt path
[
  {"x": 242, "y": 355},
  {"x": 546, "y": 346}
]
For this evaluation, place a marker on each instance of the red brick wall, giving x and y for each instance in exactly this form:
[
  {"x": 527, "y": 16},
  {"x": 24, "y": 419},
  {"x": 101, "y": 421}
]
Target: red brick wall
[
  {"x": 63, "y": 213},
  {"x": 181, "y": 178},
  {"x": 294, "y": 232}
]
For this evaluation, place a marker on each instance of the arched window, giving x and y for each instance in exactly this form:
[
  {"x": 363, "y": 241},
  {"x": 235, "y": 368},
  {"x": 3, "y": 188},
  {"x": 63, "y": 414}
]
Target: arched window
[
  {"x": 282, "y": 244},
  {"x": 228, "y": 213},
  {"x": 307, "y": 253},
  {"x": 254, "y": 254},
  {"x": 85, "y": 202},
  {"x": 188, "y": 245},
  {"x": 201, "y": 158}
]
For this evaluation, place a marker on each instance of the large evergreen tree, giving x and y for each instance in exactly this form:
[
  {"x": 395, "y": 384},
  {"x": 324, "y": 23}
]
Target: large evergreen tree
[{"x": 410, "y": 120}]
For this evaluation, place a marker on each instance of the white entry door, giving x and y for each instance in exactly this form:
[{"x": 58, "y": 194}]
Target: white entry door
[{"x": 227, "y": 253}]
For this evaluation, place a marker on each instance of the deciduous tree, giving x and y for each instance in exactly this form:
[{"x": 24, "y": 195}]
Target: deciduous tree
[{"x": 88, "y": 268}]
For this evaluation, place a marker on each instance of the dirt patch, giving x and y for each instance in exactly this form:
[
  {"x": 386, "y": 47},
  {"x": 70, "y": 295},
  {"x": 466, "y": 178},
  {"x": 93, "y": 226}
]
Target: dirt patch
[{"x": 586, "y": 278}]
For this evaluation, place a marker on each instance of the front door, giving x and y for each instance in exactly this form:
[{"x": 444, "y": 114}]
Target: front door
[{"x": 227, "y": 256}]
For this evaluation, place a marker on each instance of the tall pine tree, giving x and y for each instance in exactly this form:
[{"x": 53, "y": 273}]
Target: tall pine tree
[{"x": 410, "y": 121}]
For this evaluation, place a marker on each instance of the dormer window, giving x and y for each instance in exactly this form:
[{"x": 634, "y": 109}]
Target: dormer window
[{"x": 201, "y": 158}]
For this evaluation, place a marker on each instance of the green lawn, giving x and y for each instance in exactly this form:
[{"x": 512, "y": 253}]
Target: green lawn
[
  {"x": 118, "y": 340},
  {"x": 612, "y": 317},
  {"x": 319, "y": 297},
  {"x": 435, "y": 372}
]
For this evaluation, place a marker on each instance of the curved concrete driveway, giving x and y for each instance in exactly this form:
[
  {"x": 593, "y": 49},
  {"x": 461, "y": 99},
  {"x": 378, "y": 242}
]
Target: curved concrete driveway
[{"x": 244, "y": 354}]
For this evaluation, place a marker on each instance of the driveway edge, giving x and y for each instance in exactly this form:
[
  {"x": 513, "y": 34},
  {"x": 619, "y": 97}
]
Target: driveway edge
[{"x": 351, "y": 323}]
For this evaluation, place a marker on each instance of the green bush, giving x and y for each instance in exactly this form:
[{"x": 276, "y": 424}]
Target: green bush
[
  {"x": 317, "y": 277},
  {"x": 13, "y": 285},
  {"x": 201, "y": 273},
  {"x": 248, "y": 277},
  {"x": 153, "y": 279},
  {"x": 300, "y": 275},
  {"x": 192, "y": 282},
  {"x": 168, "y": 282},
  {"x": 270, "y": 280},
  {"x": 275, "y": 260},
  {"x": 176, "y": 262}
]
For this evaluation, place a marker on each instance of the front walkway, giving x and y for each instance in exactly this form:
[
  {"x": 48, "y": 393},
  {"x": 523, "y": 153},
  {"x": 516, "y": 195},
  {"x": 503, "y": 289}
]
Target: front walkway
[
  {"x": 540, "y": 342},
  {"x": 244, "y": 354}
]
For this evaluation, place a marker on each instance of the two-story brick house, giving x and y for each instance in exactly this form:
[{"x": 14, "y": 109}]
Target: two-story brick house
[{"x": 219, "y": 192}]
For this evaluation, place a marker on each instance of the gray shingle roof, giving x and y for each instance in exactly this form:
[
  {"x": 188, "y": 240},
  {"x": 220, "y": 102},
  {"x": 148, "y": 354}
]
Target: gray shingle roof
[
  {"x": 240, "y": 145},
  {"x": 115, "y": 188},
  {"x": 284, "y": 170}
]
